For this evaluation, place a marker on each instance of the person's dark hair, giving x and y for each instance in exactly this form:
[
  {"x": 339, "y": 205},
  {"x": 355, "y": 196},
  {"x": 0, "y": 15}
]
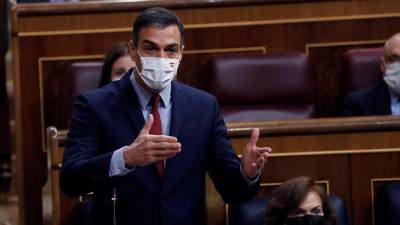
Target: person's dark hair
[
  {"x": 117, "y": 50},
  {"x": 156, "y": 17},
  {"x": 288, "y": 196}
]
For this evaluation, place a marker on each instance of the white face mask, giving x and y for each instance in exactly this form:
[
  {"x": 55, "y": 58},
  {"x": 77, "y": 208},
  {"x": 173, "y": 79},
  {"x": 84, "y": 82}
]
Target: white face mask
[
  {"x": 158, "y": 73},
  {"x": 392, "y": 77}
]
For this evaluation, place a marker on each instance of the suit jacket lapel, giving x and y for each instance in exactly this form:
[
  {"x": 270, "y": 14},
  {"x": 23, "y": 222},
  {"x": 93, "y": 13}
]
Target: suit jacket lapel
[
  {"x": 131, "y": 102},
  {"x": 177, "y": 115},
  {"x": 178, "y": 102},
  {"x": 132, "y": 106}
]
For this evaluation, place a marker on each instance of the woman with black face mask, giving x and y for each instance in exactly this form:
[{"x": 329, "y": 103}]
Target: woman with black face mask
[{"x": 299, "y": 201}]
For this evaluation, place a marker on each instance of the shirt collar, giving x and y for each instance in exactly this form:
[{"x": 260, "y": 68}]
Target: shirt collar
[{"x": 145, "y": 96}]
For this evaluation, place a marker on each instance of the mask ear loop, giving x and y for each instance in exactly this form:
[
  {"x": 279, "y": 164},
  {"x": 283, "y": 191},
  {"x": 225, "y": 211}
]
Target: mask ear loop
[
  {"x": 179, "y": 62},
  {"x": 180, "y": 58},
  {"x": 181, "y": 55},
  {"x": 136, "y": 67},
  {"x": 137, "y": 50}
]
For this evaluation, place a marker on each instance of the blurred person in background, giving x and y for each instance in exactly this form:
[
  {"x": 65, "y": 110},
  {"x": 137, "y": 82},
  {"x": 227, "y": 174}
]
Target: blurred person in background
[
  {"x": 382, "y": 98},
  {"x": 299, "y": 201},
  {"x": 116, "y": 63}
]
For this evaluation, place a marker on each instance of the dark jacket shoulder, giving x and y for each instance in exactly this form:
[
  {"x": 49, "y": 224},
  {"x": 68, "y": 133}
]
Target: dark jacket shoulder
[{"x": 373, "y": 100}]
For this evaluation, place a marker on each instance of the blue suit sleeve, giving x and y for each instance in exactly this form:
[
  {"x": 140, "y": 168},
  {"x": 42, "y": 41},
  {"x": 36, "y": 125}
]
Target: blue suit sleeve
[
  {"x": 117, "y": 165},
  {"x": 83, "y": 165},
  {"x": 224, "y": 166}
]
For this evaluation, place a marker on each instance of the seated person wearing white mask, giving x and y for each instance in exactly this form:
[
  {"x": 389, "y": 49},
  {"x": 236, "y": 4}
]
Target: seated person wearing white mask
[
  {"x": 383, "y": 97},
  {"x": 143, "y": 144}
]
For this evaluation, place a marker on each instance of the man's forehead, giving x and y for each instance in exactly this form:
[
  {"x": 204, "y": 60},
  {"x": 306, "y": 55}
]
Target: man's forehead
[
  {"x": 393, "y": 45},
  {"x": 168, "y": 35}
]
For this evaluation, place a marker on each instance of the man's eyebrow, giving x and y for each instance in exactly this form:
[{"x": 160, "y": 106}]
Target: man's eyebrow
[
  {"x": 392, "y": 56},
  {"x": 155, "y": 44},
  {"x": 172, "y": 45},
  {"x": 149, "y": 42},
  {"x": 317, "y": 207}
]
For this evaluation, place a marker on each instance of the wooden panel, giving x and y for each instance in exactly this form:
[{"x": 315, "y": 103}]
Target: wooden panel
[
  {"x": 121, "y": 14},
  {"x": 364, "y": 168},
  {"x": 57, "y": 94},
  {"x": 376, "y": 185},
  {"x": 31, "y": 161},
  {"x": 325, "y": 142},
  {"x": 89, "y": 6}
]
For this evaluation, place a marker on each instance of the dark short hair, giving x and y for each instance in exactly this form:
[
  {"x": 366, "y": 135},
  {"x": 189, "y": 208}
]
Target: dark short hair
[
  {"x": 156, "y": 17},
  {"x": 288, "y": 197},
  {"x": 114, "y": 53}
]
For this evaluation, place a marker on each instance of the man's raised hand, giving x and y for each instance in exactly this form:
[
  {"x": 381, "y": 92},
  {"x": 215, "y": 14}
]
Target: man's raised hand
[
  {"x": 147, "y": 148},
  {"x": 253, "y": 157}
]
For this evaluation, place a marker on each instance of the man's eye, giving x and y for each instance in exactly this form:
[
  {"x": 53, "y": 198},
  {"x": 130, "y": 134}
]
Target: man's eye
[
  {"x": 393, "y": 58},
  {"x": 148, "y": 48},
  {"x": 172, "y": 50}
]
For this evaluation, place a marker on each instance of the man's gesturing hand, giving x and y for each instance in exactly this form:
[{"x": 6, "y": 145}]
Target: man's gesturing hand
[
  {"x": 253, "y": 157},
  {"x": 147, "y": 149}
]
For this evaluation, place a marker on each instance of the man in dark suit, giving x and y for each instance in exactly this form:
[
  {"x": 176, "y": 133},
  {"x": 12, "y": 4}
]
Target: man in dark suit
[
  {"x": 383, "y": 97},
  {"x": 152, "y": 171}
]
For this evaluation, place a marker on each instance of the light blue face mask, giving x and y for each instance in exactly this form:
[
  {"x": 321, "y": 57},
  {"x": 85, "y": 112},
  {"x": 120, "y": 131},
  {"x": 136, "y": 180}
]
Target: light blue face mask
[{"x": 392, "y": 77}]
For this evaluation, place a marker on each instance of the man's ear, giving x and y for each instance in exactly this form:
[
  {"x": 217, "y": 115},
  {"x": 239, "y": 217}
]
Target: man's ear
[
  {"x": 132, "y": 50},
  {"x": 382, "y": 65},
  {"x": 134, "y": 55},
  {"x": 183, "y": 47}
]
